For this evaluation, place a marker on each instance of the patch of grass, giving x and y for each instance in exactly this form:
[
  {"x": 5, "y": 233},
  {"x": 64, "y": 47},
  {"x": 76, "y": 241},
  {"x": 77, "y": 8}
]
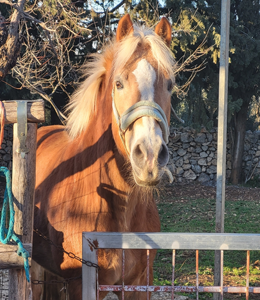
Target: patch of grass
[
  {"x": 254, "y": 182},
  {"x": 199, "y": 216}
]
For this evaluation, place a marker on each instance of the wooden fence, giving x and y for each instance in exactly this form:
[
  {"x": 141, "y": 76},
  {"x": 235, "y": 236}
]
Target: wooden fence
[{"x": 24, "y": 115}]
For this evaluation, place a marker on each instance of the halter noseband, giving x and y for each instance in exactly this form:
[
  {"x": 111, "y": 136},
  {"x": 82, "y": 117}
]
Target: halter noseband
[{"x": 140, "y": 109}]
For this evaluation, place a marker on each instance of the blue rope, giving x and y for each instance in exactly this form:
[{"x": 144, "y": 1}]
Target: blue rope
[{"x": 6, "y": 234}]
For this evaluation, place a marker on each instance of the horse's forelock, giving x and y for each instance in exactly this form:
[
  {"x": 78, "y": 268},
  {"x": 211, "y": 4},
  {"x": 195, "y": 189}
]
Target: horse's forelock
[{"x": 161, "y": 53}]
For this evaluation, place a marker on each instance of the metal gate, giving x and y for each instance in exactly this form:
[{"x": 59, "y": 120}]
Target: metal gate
[{"x": 92, "y": 241}]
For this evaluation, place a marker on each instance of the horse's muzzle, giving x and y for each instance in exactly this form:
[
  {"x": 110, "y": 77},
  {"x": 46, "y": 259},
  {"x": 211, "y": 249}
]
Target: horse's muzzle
[{"x": 148, "y": 162}]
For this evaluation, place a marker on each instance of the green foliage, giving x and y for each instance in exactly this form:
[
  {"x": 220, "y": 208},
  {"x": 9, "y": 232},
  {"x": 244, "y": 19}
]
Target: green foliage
[
  {"x": 192, "y": 21},
  {"x": 254, "y": 182}
]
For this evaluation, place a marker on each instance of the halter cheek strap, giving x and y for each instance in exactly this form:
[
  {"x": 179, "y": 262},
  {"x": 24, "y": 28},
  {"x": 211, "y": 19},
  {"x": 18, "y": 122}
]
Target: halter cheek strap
[{"x": 140, "y": 109}]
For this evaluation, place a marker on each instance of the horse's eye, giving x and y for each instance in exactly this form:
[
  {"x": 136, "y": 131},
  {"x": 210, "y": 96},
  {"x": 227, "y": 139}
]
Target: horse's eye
[
  {"x": 170, "y": 86},
  {"x": 119, "y": 85}
]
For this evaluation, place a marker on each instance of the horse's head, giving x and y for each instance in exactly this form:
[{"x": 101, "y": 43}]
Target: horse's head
[{"x": 141, "y": 96}]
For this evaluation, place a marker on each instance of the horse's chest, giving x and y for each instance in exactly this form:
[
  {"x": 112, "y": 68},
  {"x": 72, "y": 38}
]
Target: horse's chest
[{"x": 111, "y": 263}]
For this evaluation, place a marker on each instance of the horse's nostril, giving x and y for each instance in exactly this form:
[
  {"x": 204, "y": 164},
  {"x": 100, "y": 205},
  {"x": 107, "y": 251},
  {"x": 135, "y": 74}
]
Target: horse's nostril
[
  {"x": 138, "y": 155},
  {"x": 163, "y": 155},
  {"x": 137, "y": 151}
]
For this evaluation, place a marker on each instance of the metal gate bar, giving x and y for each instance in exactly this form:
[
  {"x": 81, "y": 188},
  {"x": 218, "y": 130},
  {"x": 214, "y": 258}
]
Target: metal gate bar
[
  {"x": 197, "y": 273},
  {"x": 173, "y": 272},
  {"x": 183, "y": 289},
  {"x": 92, "y": 241},
  {"x": 97, "y": 281},
  {"x": 123, "y": 275},
  {"x": 247, "y": 273},
  {"x": 147, "y": 272}
]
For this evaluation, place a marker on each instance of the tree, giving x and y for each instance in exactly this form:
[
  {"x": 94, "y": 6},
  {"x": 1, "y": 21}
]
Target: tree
[
  {"x": 52, "y": 39},
  {"x": 244, "y": 70},
  {"x": 9, "y": 39},
  {"x": 244, "y": 76}
]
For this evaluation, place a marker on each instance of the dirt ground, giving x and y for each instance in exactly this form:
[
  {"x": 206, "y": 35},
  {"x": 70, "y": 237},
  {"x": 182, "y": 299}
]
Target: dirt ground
[{"x": 196, "y": 191}]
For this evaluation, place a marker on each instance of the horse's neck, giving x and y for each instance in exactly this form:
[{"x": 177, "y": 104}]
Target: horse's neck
[{"x": 108, "y": 166}]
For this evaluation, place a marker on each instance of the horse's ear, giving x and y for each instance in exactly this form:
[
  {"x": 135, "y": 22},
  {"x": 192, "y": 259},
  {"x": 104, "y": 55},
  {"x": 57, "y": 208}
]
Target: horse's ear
[
  {"x": 125, "y": 27},
  {"x": 164, "y": 30}
]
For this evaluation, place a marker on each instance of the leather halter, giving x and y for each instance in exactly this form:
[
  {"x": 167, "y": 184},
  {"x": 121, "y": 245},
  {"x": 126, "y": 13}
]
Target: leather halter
[{"x": 143, "y": 108}]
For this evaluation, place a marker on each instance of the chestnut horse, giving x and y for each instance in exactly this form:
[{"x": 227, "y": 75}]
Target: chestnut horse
[{"x": 96, "y": 174}]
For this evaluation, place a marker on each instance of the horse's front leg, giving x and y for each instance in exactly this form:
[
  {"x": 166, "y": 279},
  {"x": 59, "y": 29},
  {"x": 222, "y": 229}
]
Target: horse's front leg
[
  {"x": 138, "y": 274},
  {"x": 142, "y": 280}
]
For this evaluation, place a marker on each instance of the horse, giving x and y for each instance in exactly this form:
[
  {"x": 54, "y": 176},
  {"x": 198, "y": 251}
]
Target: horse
[{"x": 97, "y": 172}]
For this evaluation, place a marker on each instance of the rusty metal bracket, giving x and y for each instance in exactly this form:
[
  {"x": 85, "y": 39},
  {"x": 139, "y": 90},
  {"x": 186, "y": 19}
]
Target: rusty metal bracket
[{"x": 22, "y": 126}]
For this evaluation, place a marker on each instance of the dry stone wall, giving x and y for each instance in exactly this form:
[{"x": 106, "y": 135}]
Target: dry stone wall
[
  {"x": 193, "y": 155},
  {"x": 251, "y": 156},
  {"x": 6, "y": 151}
]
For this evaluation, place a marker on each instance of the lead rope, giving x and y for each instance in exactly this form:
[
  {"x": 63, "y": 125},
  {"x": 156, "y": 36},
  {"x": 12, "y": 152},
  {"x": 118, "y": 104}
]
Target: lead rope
[
  {"x": 2, "y": 109},
  {"x": 7, "y": 233}
]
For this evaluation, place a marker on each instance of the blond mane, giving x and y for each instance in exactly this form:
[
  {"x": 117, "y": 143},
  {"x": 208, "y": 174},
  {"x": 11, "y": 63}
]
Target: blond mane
[{"x": 82, "y": 105}]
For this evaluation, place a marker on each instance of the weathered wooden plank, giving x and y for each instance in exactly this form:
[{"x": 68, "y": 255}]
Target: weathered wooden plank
[
  {"x": 9, "y": 258},
  {"x": 19, "y": 288},
  {"x": 35, "y": 111},
  {"x": 23, "y": 183},
  {"x": 88, "y": 273},
  {"x": 199, "y": 241}
]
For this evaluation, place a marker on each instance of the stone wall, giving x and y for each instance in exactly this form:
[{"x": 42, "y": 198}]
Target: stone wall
[
  {"x": 6, "y": 151},
  {"x": 251, "y": 156},
  {"x": 193, "y": 155},
  {"x": 4, "y": 284}
]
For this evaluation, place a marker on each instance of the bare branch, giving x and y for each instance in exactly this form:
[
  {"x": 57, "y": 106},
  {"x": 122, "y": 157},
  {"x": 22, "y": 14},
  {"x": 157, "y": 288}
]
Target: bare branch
[
  {"x": 25, "y": 15},
  {"x": 175, "y": 115},
  {"x": 3, "y": 31},
  {"x": 12, "y": 45}
]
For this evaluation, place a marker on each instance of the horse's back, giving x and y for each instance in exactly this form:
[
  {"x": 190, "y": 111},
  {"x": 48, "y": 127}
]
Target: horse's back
[
  {"x": 51, "y": 137},
  {"x": 51, "y": 142}
]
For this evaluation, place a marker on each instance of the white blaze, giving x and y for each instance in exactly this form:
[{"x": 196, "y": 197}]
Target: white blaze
[
  {"x": 149, "y": 130},
  {"x": 145, "y": 77}
]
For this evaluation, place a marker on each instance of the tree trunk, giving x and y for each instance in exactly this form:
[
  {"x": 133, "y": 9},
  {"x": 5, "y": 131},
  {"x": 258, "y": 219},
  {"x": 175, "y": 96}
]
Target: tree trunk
[
  {"x": 10, "y": 44},
  {"x": 239, "y": 138}
]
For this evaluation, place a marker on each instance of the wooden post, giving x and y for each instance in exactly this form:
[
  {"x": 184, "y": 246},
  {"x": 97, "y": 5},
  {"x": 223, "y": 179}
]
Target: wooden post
[
  {"x": 222, "y": 133},
  {"x": 23, "y": 183}
]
